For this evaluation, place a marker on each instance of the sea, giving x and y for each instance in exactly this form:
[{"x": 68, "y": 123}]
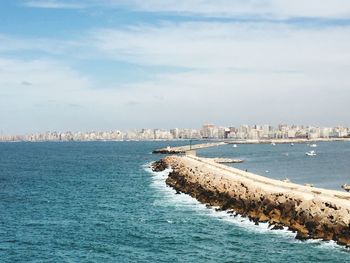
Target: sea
[{"x": 100, "y": 202}]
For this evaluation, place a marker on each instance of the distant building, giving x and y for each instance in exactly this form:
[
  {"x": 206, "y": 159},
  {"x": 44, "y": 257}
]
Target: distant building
[{"x": 209, "y": 131}]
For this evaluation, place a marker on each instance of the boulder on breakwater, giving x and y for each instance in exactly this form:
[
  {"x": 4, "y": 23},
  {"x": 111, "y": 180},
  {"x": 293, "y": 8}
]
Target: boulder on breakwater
[
  {"x": 310, "y": 218},
  {"x": 159, "y": 166}
]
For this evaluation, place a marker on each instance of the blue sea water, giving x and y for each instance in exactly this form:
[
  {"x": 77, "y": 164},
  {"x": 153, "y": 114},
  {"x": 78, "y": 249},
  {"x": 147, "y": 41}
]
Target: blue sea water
[{"x": 98, "y": 202}]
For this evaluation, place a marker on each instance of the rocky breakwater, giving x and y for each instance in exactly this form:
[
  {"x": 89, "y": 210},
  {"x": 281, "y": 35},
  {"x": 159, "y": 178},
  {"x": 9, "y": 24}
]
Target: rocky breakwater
[{"x": 312, "y": 213}]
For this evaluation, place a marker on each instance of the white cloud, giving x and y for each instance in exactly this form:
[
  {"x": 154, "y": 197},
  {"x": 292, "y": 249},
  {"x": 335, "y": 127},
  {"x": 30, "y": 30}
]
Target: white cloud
[
  {"x": 27, "y": 84},
  {"x": 43, "y": 45},
  {"x": 59, "y": 98},
  {"x": 226, "y": 97},
  {"x": 257, "y": 8},
  {"x": 241, "y": 46},
  {"x": 237, "y": 72},
  {"x": 270, "y": 9},
  {"x": 53, "y": 4}
]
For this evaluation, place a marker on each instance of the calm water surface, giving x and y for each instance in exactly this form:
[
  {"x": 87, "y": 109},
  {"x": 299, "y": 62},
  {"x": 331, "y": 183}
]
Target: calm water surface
[{"x": 98, "y": 202}]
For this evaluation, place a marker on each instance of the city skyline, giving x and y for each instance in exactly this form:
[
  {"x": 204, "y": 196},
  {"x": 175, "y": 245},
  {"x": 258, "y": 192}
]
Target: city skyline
[
  {"x": 91, "y": 65},
  {"x": 206, "y": 131}
]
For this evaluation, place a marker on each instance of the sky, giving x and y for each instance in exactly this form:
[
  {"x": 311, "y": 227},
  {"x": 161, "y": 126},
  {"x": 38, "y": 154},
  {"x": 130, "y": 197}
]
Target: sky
[{"x": 70, "y": 65}]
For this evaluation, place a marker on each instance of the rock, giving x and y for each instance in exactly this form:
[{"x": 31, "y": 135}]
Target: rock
[
  {"x": 302, "y": 236},
  {"x": 159, "y": 166},
  {"x": 277, "y": 227}
]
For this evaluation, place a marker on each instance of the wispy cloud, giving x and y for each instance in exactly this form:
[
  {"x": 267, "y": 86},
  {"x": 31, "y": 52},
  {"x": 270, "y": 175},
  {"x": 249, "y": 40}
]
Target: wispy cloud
[
  {"x": 271, "y": 9},
  {"x": 60, "y": 91},
  {"x": 26, "y": 83},
  {"x": 54, "y": 4},
  {"x": 45, "y": 45},
  {"x": 260, "y": 8},
  {"x": 241, "y": 47},
  {"x": 234, "y": 8}
]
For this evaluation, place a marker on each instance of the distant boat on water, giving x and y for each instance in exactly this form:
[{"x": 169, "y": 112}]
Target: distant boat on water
[
  {"x": 292, "y": 144},
  {"x": 311, "y": 153},
  {"x": 273, "y": 143},
  {"x": 234, "y": 146},
  {"x": 314, "y": 145}
]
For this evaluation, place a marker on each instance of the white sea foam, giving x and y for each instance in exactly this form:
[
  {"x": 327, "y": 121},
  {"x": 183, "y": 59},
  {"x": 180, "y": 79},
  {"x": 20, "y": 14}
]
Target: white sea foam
[{"x": 168, "y": 197}]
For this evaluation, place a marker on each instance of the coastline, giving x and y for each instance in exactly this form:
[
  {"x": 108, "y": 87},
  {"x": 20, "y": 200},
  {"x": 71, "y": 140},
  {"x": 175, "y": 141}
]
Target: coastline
[
  {"x": 186, "y": 148},
  {"x": 207, "y": 141},
  {"x": 284, "y": 141},
  {"x": 313, "y": 213}
]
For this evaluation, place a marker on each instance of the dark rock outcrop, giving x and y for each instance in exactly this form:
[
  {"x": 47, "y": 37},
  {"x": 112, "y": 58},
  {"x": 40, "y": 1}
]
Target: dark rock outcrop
[{"x": 159, "y": 166}]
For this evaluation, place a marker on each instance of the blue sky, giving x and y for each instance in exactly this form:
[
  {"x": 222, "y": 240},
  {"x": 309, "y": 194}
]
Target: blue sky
[{"x": 117, "y": 64}]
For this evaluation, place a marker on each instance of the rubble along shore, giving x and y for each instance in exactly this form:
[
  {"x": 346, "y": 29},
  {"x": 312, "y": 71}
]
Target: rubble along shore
[{"x": 312, "y": 213}]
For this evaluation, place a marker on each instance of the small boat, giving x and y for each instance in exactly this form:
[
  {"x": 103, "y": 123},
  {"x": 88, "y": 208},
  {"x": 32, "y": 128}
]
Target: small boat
[
  {"x": 311, "y": 153},
  {"x": 292, "y": 144},
  {"x": 346, "y": 187},
  {"x": 234, "y": 146},
  {"x": 313, "y": 145},
  {"x": 286, "y": 180},
  {"x": 273, "y": 143}
]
